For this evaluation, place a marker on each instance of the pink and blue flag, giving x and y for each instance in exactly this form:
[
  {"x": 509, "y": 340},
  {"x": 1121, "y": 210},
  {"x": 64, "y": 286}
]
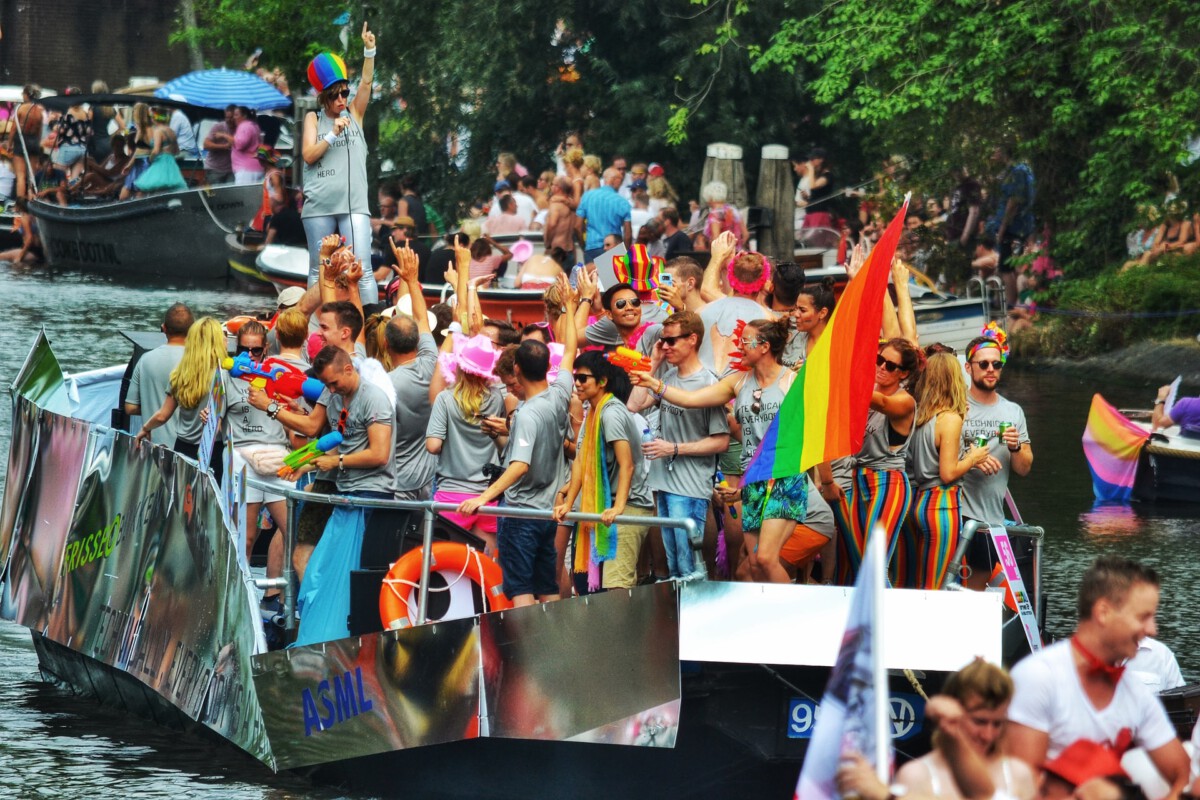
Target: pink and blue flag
[{"x": 1112, "y": 444}]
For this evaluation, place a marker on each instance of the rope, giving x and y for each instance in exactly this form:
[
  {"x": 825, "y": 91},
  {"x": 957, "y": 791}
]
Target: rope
[
  {"x": 1166, "y": 450},
  {"x": 212, "y": 216},
  {"x": 916, "y": 684}
]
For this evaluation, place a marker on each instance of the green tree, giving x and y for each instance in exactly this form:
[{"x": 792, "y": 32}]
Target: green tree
[{"x": 1100, "y": 98}]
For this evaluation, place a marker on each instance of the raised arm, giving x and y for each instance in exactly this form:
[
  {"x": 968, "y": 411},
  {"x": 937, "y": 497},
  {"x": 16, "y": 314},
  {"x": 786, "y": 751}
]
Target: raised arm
[
  {"x": 407, "y": 265},
  {"x": 722, "y": 249},
  {"x": 462, "y": 264},
  {"x": 358, "y": 106},
  {"x": 570, "y": 340},
  {"x": 904, "y": 307},
  {"x": 718, "y": 394}
]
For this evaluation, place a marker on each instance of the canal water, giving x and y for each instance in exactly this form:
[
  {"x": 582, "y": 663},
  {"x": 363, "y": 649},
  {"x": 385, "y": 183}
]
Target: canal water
[{"x": 53, "y": 744}]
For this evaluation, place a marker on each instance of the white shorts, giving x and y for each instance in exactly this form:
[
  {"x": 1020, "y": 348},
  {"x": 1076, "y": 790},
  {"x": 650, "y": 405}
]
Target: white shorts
[{"x": 253, "y": 493}]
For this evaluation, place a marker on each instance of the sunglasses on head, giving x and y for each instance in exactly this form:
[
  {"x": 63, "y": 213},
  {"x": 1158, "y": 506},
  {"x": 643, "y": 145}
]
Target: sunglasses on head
[
  {"x": 633, "y": 302},
  {"x": 756, "y": 406},
  {"x": 996, "y": 365},
  {"x": 890, "y": 366}
]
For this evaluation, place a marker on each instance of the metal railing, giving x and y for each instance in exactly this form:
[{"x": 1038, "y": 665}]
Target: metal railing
[
  {"x": 429, "y": 509},
  {"x": 989, "y": 290},
  {"x": 970, "y": 528}
]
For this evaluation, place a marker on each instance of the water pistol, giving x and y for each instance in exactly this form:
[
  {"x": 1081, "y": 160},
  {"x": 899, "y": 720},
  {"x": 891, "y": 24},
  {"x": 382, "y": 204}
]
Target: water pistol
[
  {"x": 724, "y": 484},
  {"x": 736, "y": 356},
  {"x": 629, "y": 360},
  {"x": 274, "y": 378},
  {"x": 310, "y": 452}
]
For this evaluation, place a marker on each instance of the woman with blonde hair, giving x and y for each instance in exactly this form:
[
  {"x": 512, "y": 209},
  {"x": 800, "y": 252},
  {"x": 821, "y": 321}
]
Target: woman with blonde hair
[
  {"x": 936, "y": 464},
  {"x": 592, "y": 167},
  {"x": 661, "y": 193},
  {"x": 190, "y": 388},
  {"x": 573, "y": 169},
  {"x": 455, "y": 434}
]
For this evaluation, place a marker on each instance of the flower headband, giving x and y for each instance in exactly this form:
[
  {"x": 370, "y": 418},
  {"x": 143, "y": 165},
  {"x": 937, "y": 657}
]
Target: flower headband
[
  {"x": 752, "y": 287},
  {"x": 994, "y": 336}
]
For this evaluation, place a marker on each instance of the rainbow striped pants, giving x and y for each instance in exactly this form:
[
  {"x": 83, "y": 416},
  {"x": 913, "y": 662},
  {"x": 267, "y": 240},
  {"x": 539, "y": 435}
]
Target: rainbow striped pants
[
  {"x": 933, "y": 527},
  {"x": 881, "y": 497}
]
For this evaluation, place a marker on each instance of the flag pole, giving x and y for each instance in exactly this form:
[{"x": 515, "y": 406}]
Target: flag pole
[{"x": 883, "y": 716}]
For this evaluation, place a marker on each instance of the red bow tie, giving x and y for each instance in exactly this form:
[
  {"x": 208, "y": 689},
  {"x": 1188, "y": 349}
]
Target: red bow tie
[{"x": 1095, "y": 666}]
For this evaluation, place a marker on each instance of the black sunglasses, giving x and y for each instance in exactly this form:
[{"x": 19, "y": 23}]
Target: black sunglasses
[
  {"x": 996, "y": 365},
  {"x": 254, "y": 351},
  {"x": 890, "y": 366},
  {"x": 756, "y": 406},
  {"x": 343, "y": 93},
  {"x": 670, "y": 341},
  {"x": 633, "y": 301},
  {"x": 583, "y": 377}
]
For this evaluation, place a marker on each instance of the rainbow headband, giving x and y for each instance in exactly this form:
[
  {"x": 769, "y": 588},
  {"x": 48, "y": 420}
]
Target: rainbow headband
[
  {"x": 325, "y": 70},
  {"x": 994, "y": 336},
  {"x": 753, "y": 287}
]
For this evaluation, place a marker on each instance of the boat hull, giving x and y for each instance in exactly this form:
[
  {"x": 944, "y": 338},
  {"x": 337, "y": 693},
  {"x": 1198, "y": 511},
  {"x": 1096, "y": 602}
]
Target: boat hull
[
  {"x": 177, "y": 235},
  {"x": 243, "y": 266},
  {"x": 1168, "y": 471}
]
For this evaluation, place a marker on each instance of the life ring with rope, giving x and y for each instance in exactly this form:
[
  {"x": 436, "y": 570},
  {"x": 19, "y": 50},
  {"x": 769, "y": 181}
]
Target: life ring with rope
[{"x": 398, "y": 596}]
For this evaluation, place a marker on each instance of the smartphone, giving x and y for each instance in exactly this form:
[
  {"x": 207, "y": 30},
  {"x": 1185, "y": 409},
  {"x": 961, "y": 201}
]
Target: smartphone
[
  {"x": 665, "y": 279},
  {"x": 257, "y": 52}
]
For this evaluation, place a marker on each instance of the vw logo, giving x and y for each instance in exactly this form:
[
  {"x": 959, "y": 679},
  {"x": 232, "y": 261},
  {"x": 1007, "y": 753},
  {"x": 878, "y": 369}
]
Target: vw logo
[{"x": 904, "y": 717}]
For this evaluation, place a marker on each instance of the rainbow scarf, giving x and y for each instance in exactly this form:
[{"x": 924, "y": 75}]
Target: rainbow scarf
[
  {"x": 595, "y": 542},
  {"x": 824, "y": 415},
  {"x": 1112, "y": 444}
]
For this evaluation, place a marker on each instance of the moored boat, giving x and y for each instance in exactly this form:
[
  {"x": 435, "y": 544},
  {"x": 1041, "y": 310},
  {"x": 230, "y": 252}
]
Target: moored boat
[{"x": 243, "y": 264}]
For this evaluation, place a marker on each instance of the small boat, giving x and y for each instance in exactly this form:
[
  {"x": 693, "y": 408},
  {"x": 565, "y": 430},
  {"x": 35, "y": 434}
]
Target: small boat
[
  {"x": 1168, "y": 469},
  {"x": 243, "y": 264}
]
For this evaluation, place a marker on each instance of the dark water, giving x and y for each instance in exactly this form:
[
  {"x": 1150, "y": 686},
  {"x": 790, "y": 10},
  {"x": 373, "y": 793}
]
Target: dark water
[{"x": 56, "y": 745}]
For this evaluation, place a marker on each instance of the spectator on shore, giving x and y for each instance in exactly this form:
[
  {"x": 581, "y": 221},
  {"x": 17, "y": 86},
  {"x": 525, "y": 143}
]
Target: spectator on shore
[{"x": 1012, "y": 222}]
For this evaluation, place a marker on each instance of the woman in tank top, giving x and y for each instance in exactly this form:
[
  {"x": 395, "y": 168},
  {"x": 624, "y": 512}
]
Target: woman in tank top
[
  {"x": 935, "y": 468},
  {"x": 882, "y": 494},
  {"x": 335, "y": 163}
]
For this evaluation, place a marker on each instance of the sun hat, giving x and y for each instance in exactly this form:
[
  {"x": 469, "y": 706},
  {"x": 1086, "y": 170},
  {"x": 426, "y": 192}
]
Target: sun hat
[
  {"x": 404, "y": 306},
  {"x": 290, "y": 296},
  {"x": 325, "y": 70},
  {"x": 476, "y": 355}
]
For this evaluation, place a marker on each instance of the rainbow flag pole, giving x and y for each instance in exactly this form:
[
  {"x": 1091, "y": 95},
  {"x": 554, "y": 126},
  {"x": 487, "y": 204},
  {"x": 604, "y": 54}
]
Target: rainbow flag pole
[{"x": 824, "y": 415}]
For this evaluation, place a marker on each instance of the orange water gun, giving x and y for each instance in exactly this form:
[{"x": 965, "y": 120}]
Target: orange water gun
[
  {"x": 736, "y": 356},
  {"x": 629, "y": 360}
]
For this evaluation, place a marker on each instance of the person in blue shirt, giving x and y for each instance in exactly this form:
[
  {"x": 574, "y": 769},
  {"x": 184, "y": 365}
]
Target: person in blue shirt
[
  {"x": 605, "y": 212},
  {"x": 1012, "y": 221}
]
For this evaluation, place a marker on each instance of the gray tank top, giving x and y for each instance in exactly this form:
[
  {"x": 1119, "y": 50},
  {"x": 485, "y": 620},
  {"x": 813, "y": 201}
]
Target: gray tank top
[
  {"x": 875, "y": 453},
  {"x": 923, "y": 468},
  {"x": 337, "y": 183},
  {"x": 755, "y": 423}
]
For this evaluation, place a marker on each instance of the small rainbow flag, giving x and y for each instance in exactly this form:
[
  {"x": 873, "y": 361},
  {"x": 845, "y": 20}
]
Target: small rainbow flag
[
  {"x": 824, "y": 415},
  {"x": 1112, "y": 443}
]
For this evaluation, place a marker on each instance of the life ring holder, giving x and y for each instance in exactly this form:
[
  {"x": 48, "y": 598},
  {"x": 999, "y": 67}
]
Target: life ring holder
[{"x": 403, "y": 580}]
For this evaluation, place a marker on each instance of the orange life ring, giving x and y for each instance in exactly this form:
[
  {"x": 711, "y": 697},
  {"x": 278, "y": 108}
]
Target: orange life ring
[
  {"x": 234, "y": 324},
  {"x": 397, "y": 597}
]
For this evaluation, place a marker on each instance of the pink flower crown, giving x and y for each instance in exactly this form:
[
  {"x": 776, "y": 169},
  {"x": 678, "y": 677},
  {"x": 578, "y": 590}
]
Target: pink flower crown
[{"x": 752, "y": 287}]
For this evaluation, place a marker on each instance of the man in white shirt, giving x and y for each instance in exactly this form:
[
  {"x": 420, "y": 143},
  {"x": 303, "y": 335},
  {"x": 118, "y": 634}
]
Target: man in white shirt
[
  {"x": 1077, "y": 689},
  {"x": 1156, "y": 666}
]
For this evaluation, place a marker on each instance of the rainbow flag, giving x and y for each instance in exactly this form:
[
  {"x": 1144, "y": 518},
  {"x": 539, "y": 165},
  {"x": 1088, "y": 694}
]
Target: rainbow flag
[
  {"x": 1112, "y": 443},
  {"x": 824, "y": 415}
]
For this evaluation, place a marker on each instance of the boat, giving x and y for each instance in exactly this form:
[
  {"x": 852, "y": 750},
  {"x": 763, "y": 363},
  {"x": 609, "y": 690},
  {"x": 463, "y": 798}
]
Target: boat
[
  {"x": 124, "y": 562},
  {"x": 1168, "y": 467},
  {"x": 243, "y": 264}
]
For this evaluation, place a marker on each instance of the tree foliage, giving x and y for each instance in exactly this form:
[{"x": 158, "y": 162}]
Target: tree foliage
[{"x": 1100, "y": 98}]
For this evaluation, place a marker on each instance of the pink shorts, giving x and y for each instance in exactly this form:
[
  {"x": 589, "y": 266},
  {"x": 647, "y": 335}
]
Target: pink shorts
[{"x": 486, "y": 523}]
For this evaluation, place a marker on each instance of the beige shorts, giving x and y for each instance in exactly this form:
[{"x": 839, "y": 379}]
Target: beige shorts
[{"x": 621, "y": 572}]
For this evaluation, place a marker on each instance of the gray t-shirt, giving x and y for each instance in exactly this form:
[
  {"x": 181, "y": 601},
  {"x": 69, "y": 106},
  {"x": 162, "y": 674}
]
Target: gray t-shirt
[
  {"x": 414, "y": 464},
  {"x": 689, "y": 476},
  {"x": 818, "y": 516},
  {"x": 723, "y": 315},
  {"x": 982, "y": 495},
  {"x": 617, "y": 423},
  {"x": 247, "y": 424},
  {"x": 366, "y": 407},
  {"x": 603, "y": 332},
  {"x": 337, "y": 183},
  {"x": 148, "y": 387},
  {"x": 189, "y": 425},
  {"x": 539, "y": 428},
  {"x": 755, "y": 423},
  {"x": 465, "y": 447},
  {"x": 796, "y": 349}
]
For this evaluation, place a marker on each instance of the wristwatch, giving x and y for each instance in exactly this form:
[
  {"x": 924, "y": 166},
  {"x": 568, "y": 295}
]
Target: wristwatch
[{"x": 272, "y": 409}]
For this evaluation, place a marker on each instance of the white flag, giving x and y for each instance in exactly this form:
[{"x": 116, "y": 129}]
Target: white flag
[{"x": 855, "y": 712}]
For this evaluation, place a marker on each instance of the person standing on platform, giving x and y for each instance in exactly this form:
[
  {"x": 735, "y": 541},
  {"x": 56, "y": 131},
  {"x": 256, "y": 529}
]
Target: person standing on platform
[
  {"x": 151, "y": 379},
  {"x": 335, "y": 162}
]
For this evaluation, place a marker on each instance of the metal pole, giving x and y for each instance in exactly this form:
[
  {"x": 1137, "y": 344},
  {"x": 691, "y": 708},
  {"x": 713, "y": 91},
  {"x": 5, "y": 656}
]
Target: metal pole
[
  {"x": 426, "y": 565},
  {"x": 289, "y": 545}
]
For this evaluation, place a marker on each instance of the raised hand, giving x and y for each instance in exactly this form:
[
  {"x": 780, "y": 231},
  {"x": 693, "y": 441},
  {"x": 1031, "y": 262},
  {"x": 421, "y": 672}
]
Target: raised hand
[
  {"x": 406, "y": 261},
  {"x": 858, "y": 257},
  {"x": 368, "y": 37},
  {"x": 354, "y": 271},
  {"x": 586, "y": 284},
  {"x": 329, "y": 244},
  {"x": 462, "y": 256}
]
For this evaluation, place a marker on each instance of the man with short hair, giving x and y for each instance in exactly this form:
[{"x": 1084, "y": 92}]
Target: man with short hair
[
  {"x": 605, "y": 212},
  {"x": 1078, "y": 689},
  {"x": 185, "y": 134},
  {"x": 686, "y": 277},
  {"x": 402, "y": 236},
  {"x": 151, "y": 377},
  {"x": 675, "y": 240},
  {"x": 218, "y": 168},
  {"x": 984, "y": 487},
  {"x": 559, "y": 228},
  {"x": 508, "y": 222},
  {"x": 534, "y": 468},
  {"x": 341, "y": 324},
  {"x": 684, "y": 453},
  {"x": 410, "y": 343}
]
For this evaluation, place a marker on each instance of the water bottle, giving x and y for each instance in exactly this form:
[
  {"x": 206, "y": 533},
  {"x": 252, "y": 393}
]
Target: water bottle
[{"x": 647, "y": 437}]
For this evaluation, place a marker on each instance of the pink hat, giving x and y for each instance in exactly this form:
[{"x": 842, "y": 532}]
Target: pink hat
[
  {"x": 476, "y": 356},
  {"x": 315, "y": 342}
]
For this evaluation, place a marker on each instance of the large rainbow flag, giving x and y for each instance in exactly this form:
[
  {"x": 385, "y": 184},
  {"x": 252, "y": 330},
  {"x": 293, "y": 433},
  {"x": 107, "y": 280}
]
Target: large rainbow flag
[
  {"x": 824, "y": 415},
  {"x": 1112, "y": 444}
]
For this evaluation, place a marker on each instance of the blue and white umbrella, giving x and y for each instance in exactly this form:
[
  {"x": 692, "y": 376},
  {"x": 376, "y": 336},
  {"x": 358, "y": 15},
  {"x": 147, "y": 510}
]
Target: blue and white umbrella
[{"x": 217, "y": 88}]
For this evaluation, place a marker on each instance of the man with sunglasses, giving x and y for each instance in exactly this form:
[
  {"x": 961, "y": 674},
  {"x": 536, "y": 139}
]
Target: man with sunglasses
[{"x": 987, "y": 411}]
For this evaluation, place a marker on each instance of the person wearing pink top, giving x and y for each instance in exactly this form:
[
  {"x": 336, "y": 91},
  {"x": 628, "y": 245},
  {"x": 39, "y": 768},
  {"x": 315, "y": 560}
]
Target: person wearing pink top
[{"x": 244, "y": 154}]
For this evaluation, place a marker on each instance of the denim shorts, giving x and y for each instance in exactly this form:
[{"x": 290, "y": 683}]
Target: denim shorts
[{"x": 527, "y": 556}]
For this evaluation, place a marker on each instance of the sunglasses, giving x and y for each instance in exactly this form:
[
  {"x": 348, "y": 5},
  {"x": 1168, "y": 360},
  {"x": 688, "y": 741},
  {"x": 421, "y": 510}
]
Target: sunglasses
[
  {"x": 633, "y": 302},
  {"x": 751, "y": 342},
  {"x": 344, "y": 93},
  {"x": 756, "y": 406},
  {"x": 254, "y": 351},
  {"x": 890, "y": 366},
  {"x": 670, "y": 341},
  {"x": 583, "y": 377},
  {"x": 996, "y": 365}
]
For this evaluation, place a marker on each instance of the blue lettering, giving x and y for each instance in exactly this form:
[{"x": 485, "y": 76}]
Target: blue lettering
[
  {"x": 364, "y": 703},
  {"x": 310, "y": 713},
  {"x": 323, "y": 696},
  {"x": 343, "y": 692}
]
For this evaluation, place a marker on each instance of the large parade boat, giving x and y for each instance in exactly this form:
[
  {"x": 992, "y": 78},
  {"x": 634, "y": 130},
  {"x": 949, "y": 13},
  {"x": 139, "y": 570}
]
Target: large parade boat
[{"x": 125, "y": 563}]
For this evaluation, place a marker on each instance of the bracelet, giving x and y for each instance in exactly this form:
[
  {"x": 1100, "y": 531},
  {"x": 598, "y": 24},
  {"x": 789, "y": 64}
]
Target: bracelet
[
  {"x": 676, "y": 451},
  {"x": 587, "y": 300},
  {"x": 330, "y": 139},
  {"x": 1160, "y": 402},
  {"x": 341, "y": 461},
  {"x": 1016, "y": 449},
  {"x": 368, "y": 52}
]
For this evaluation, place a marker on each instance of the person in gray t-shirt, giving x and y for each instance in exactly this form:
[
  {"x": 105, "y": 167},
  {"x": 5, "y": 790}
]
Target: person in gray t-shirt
[
  {"x": 412, "y": 348},
  {"x": 152, "y": 374}
]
